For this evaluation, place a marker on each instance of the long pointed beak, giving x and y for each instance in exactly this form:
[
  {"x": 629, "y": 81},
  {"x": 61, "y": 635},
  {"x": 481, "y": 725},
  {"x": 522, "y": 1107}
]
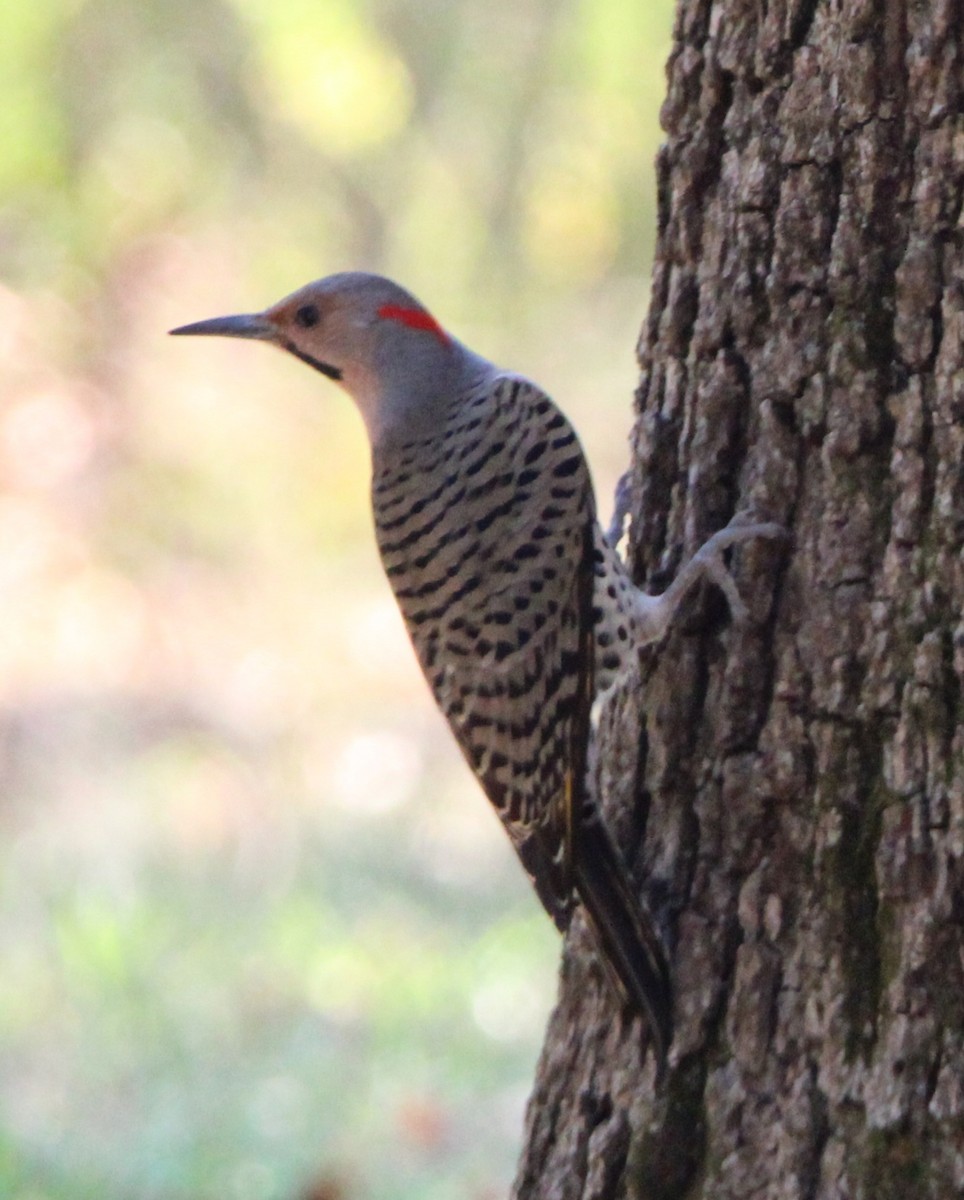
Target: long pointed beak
[{"x": 245, "y": 325}]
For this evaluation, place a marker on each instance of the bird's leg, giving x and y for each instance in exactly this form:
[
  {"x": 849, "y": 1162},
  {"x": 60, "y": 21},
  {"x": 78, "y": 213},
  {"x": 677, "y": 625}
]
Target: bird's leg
[
  {"x": 655, "y": 613},
  {"x": 621, "y": 502}
]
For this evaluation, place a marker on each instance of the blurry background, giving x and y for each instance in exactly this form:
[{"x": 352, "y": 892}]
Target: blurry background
[{"x": 260, "y": 934}]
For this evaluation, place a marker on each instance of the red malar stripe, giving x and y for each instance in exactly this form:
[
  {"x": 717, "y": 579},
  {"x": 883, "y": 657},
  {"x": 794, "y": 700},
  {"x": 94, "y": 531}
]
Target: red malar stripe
[{"x": 416, "y": 318}]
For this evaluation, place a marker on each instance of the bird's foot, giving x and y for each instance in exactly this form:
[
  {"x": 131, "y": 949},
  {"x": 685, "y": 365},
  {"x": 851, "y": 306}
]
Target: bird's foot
[
  {"x": 707, "y": 563},
  {"x": 656, "y": 613}
]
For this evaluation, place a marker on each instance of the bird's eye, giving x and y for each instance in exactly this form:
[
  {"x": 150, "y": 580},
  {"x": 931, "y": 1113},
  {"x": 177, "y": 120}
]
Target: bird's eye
[{"x": 307, "y": 315}]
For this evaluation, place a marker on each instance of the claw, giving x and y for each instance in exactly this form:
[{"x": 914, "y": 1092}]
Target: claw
[
  {"x": 736, "y": 532},
  {"x": 710, "y": 558},
  {"x": 655, "y": 613}
]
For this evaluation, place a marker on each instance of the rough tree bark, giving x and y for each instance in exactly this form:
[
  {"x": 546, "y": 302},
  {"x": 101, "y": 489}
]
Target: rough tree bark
[{"x": 791, "y": 793}]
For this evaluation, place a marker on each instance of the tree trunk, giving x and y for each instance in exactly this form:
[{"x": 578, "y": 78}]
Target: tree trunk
[{"x": 790, "y": 792}]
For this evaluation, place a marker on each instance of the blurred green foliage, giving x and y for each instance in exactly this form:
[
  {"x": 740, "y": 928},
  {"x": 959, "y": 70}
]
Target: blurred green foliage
[{"x": 261, "y": 937}]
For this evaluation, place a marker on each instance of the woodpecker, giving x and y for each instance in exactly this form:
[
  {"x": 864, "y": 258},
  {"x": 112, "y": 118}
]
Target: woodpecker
[{"x": 520, "y": 610}]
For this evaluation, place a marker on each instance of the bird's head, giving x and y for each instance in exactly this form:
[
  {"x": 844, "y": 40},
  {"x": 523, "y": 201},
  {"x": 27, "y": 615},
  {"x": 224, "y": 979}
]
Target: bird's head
[{"x": 369, "y": 335}]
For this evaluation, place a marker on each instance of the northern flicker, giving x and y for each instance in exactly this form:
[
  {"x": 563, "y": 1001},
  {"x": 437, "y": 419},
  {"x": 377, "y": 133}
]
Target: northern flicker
[{"x": 520, "y": 611}]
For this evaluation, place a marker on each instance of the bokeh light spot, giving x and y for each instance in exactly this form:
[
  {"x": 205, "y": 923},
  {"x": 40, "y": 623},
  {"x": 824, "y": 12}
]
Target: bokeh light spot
[
  {"x": 341, "y": 86},
  {"x": 46, "y": 439}
]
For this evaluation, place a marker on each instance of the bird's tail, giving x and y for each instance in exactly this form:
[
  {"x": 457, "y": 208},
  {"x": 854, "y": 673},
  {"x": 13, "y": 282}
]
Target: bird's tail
[{"x": 631, "y": 948}]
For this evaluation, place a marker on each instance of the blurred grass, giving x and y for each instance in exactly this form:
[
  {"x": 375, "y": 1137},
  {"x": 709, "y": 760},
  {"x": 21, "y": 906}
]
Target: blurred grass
[{"x": 260, "y": 933}]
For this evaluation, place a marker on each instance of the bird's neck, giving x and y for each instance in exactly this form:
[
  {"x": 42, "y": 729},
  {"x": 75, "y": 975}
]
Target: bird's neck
[{"x": 401, "y": 412}]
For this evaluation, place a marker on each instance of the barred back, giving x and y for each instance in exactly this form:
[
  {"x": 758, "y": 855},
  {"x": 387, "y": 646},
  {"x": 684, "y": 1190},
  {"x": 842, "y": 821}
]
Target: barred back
[
  {"x": 485, "y": 531},
  {"x": 511, "y": 594}
]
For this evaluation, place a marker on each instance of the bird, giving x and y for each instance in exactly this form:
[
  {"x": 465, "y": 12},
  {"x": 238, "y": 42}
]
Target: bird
[{"x": 520, "y": 610}]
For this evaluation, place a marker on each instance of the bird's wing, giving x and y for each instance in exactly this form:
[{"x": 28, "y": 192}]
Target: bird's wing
[
  {"x": 517, "y": 686},
  {"x": 484, "y": 526},
  {"x": 487, "y": 532}
]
